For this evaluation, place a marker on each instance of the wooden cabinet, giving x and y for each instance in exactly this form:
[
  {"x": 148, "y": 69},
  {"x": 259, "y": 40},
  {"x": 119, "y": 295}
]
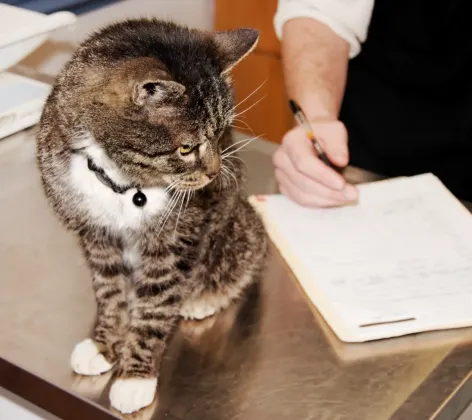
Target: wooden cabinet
[
  {"x": 259, "y": 14},
  {"x": 271, "y": 117}
]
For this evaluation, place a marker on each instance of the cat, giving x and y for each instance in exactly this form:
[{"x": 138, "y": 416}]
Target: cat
[{"x": 136, "y": 157}]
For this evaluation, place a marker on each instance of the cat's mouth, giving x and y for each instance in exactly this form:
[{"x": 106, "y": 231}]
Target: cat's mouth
[{"x": 194, "y": 181}]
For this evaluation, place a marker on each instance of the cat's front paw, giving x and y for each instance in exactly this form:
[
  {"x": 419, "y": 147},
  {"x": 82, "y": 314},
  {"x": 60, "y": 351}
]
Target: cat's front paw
[
  {"x": 86, "y": 359},
  {"x": 199, "y": 309},
  {"x": 131, "y": 394}
]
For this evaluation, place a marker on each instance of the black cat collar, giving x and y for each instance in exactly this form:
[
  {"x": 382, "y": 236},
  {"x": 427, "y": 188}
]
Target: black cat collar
[{"x": 139, "y": 198}]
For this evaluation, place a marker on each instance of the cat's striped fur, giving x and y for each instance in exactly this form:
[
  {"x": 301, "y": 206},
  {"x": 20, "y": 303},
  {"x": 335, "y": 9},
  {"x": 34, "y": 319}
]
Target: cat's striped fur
[{"x": 130, "y": 98}]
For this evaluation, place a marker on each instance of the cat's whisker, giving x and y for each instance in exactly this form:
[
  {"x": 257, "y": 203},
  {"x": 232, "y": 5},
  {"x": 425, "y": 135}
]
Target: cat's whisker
[
  {"x": 239, "y": 119},
  {"x": 248, "y": 96},
  {"x": 237, "y": 127},
  {"x": 220, "y": 182},
  {"x": 232, "y": 152},
  {"x": 246, "y": 140},
  {"x": 222, "y": 173},
  {"x": 168, "y": 210},
  {"x": 180, "y": 210},
  {"x": 227, "y": 181},
  {"x": 245, "y": 124},
  {"x": 231, "y": 163},
  {"x": 248, "y": 108},
  {"x": 228, "y": 176},
  {"x": 169, "y": 187},
  {"x": 227, "y": 158},
  {"x": 174, "y": 203},
  {"x": 189, "y": 193},
  {"x": 168, "y": 202},
  {"x": 224, "y": 179},
  {"x": 167, "y": 207},
  {"x": 172, "y": 185},
  {"x": 234, "y": 144},
  {"x": 231, "y": 174}
]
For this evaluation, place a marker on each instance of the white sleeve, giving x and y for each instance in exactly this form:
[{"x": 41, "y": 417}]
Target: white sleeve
[{"x": 349, "y": 19}]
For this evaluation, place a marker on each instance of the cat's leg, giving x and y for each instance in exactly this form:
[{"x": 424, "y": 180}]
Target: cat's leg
[
  {"x": 234, "y": 255},
  {"x": 154, "y": 312},
  {"x": 219, "y": 290},
  {"x": 97, "y": 354}
]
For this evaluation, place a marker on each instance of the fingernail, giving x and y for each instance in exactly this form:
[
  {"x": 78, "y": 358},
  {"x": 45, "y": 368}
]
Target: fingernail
[{"x": 350, "y": 194}]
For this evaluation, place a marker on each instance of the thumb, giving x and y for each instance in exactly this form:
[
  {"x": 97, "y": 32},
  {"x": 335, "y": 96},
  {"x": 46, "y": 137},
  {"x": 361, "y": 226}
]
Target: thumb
[{"x": 332, "y": 136}]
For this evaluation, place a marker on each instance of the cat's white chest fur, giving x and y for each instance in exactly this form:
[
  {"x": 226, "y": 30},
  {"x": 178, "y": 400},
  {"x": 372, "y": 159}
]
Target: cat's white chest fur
[{"x": 104, "y": 206}]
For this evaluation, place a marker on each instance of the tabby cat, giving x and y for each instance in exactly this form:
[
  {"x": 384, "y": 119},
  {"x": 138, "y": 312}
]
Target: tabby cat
[{"x": 137, "y": 158}]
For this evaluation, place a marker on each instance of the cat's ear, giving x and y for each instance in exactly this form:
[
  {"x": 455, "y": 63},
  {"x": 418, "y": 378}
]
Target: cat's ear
[
  {"x": 156, "y": 92},
  {"x": 234, "y": 45}
]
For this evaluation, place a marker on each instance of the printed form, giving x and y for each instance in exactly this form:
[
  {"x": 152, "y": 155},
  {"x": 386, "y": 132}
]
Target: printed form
[{"x": 398, "y": 262}]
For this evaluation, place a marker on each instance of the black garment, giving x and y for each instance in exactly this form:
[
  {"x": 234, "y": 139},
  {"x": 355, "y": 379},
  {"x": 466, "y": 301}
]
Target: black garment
[{"x": 408, "y": 100}]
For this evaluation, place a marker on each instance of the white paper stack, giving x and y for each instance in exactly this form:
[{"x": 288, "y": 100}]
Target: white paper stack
[
  {"x": 398, "y": 262},
  {"x": 21, "y": 32}
]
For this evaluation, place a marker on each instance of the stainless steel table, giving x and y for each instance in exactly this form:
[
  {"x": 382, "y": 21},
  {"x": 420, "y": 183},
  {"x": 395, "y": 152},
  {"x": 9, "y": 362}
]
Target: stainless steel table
[{"x": 270, "y": 357}]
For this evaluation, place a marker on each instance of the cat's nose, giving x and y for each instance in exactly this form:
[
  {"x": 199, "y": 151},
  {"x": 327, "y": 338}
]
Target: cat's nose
[{"x": 212, "y": 175}]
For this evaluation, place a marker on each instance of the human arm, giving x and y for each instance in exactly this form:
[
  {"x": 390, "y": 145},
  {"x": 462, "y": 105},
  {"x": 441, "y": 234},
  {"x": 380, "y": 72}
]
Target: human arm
[{"x": 317, "y": 42}]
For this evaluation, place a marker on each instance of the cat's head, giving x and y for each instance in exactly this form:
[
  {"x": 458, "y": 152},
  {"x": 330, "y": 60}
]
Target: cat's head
[{"x": 157, "y": 97}]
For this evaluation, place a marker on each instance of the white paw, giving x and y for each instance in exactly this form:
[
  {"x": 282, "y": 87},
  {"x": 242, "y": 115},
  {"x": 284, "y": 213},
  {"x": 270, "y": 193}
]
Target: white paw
[
  {"x": 132, "y": 394},
  {"x": 87, "y": 360},
  {"x": 198, "y": 309}
]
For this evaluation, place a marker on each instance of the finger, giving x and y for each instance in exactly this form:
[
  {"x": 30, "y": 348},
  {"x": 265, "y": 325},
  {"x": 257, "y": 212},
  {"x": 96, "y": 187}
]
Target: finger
[
  {"x": 309, "y": 186},
  {"x": 300, "y": 151},
  {"x": 337, "y": 146},
  {"x": 295, "y": 194}
]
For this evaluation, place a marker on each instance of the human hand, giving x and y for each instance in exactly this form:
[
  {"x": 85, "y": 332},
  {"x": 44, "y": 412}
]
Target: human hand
[{"x": 303, "y": 177}]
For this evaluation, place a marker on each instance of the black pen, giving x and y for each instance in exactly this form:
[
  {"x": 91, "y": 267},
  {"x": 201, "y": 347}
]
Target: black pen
[{"x": 301, "y": 119}]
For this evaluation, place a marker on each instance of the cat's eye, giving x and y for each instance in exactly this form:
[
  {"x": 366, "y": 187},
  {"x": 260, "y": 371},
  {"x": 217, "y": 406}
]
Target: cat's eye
[{"x": 186, "y": 149}]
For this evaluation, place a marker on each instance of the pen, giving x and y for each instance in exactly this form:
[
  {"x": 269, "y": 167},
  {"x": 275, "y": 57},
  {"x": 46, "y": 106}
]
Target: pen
[{"x": 301, "y": 119}]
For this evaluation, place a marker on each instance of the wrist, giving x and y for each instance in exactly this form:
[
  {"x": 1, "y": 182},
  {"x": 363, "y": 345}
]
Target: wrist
[{"x": 317, "y": 109}]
